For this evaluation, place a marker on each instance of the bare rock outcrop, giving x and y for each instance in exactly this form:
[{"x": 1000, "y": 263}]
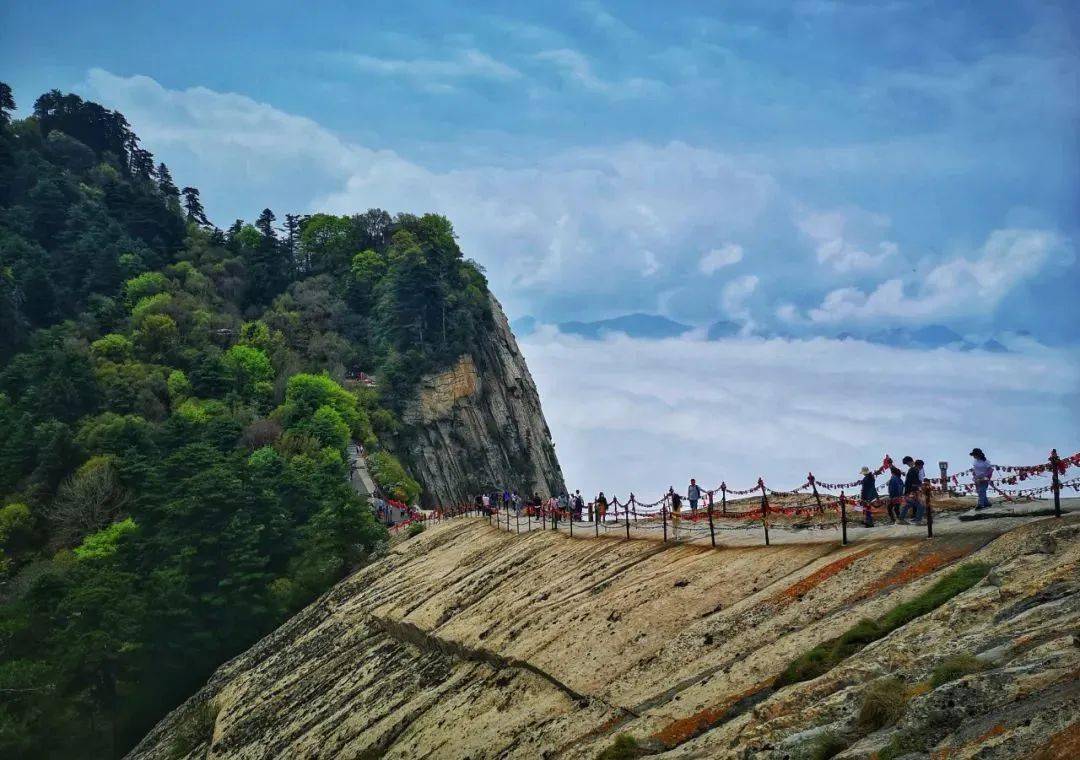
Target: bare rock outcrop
[
  {"x": 478, "y": 426},
  {"x": 469, "y": 642}
]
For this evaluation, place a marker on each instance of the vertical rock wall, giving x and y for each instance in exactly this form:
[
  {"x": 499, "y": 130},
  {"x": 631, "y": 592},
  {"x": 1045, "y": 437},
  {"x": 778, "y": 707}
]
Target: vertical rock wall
[{"x": 478, "y": 426}]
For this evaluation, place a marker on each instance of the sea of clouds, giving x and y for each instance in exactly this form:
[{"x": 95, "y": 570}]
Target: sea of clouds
[{"x": 640, "y": 415}]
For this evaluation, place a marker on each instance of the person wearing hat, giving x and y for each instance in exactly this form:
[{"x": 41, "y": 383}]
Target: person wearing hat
[
  {"x": 982, "y": 471},
  {"x": 869, "y": 495}
]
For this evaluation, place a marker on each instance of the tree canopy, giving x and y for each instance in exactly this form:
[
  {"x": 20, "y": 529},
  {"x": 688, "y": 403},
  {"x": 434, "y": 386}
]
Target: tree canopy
[{"x": 176, "y": 404}]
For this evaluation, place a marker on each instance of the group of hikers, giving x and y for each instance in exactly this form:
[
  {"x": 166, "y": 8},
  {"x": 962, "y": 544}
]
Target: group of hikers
[
  {"x": 908, "y": 492},
  {"x": 565, "y": 503},
  {"x": 908, "y": 495}
]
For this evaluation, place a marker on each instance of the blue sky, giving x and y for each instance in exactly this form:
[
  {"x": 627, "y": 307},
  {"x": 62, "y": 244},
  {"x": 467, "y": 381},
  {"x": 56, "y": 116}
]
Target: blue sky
[{"x": 802, "y": 168}]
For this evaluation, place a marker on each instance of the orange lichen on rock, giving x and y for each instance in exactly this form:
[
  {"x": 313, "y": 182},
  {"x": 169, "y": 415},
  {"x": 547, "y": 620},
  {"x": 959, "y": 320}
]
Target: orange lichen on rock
[
  {"x": 920, "y": 567},
  {"x": 1064, "y": 745},
  {"x": 816, "y": 578},
  {"x": 684, "y": 729},
  {"x": 950, "y": 752},
  {"x": 923, "y": 687},
  {"x": 997, "y": 730}
]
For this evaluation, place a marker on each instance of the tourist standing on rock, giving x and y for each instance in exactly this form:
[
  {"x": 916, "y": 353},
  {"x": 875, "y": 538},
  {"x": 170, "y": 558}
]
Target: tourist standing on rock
[
  {"x": 553, "y": 506},
  {"x": 676, "y": 506},
  {"x": 896, "y": 492},
  {"x": 601, "y": 507},
  {"x": 912, "y": 496},
  {"x": 982, "y": 471},
  {"x": 693, "y": 495},
  {"x": 924, "y": 490},
  {"x": 868, "y": 496}
]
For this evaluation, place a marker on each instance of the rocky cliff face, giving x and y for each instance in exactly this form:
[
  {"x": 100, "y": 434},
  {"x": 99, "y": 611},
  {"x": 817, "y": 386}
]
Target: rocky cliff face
[
  {"x": 468, "y": 642},
  {"x": 479, "y": 426}
]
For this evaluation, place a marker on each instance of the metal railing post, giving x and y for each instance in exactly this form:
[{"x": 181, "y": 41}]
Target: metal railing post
[
  {"x": 764, "y": 510},
  {"x": 712, "y": 529},
  {"x": 843, "y": 519},
  {"x": 1055, "y": 464}
]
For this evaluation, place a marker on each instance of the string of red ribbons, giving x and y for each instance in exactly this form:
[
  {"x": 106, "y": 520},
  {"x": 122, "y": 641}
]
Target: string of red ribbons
[{"x": 646, "y": 513}]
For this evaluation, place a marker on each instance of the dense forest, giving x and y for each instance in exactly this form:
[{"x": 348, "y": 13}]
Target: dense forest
[{"x": 176, "y": 401}]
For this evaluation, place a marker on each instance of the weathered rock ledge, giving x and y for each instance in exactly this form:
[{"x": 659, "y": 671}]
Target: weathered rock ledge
[{"x": 467, "y": 642}]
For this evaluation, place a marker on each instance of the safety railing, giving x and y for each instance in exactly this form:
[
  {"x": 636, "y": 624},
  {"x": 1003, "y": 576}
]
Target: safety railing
[{"x": 809, "y": 507}]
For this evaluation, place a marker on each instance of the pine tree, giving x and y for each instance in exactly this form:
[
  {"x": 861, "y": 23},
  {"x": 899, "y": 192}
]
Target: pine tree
[
  {"x": 292, "y": 235},
  {"x": 7, "y": 103},
  {"x": 265, "y": 225},
  {"x": 193, "y": 206},
  {"x": 232, "y": 234},
  {"x": 165, "y": 182},
  {"x": 142, "y": 163},
  {"x": 269, "y": 271}
]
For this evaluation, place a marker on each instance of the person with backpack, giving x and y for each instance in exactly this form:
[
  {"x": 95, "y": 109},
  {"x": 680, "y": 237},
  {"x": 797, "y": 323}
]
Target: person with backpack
[
  {"x": 896, "y": 492},
  {"x": 676, "y": 506},
  {"x": 982, "y": 472},
  {"x": 868, "y": 496},
  {"x": 693, "y": 495}
]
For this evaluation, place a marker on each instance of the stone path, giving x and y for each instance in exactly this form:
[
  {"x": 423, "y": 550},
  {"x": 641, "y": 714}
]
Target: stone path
[
  {"x": 1000, "y": 518},
  {"x": 359, "y": 476}
]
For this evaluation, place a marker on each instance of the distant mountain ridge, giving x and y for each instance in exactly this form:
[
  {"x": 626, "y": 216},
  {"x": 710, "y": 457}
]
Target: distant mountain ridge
[
  {"x": 927, "y": 337},
  {"x": 656, "y": 327},
  {"x": 637, "y": 325}
]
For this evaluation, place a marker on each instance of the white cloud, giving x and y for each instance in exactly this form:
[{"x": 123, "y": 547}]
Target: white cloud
[
  {"x": 734, "y": 294},
  {"x": 609, "y": 23},
  {"x": 645, "y": 414},
  {"x": 833, "y": 231},
  {"x": 575, "y": 67},
  {"x": 652, "y": 265},
  {"x": 718, "y": 258},
  {"x": 465, "y": 64},
  {"x": 959, "y": 286},
  {"x": 789, "y": 313},
  {"x": 579, "y": 213},
  {"x": 539, "y": 230}
]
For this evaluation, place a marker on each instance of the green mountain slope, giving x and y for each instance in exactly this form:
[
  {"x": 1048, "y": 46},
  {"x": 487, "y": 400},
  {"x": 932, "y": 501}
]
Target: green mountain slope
[{"x": 175, "y": 404}]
